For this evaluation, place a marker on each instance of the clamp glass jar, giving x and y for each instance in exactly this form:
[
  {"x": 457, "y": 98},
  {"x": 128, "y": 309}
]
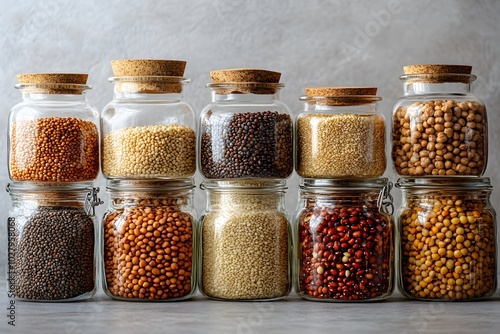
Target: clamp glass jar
[
  {"x": 447, "y": 240},
  {"x": 245, "y": 241},
  {"x": 344, "y": 240},
  {"x": 148, "y": 130},
  {"x": 439, "y": 127},
  {"x": 53, "y": 132},
  {"x": 52, "y": 241},
  {"x": 246, "y": 132},
  {"x": 149, "y": 240},
  {"x": 340, "y": 134}
]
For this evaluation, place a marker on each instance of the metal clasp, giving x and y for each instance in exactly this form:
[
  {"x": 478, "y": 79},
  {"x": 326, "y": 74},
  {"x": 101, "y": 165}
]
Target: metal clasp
[
  {"x": 385, "y": 200},
  {"x": 91, "y": 201}
]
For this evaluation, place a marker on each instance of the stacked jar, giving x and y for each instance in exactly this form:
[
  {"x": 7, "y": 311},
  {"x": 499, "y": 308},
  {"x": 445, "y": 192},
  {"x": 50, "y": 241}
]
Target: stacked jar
[
  {"x": 446, "y": 225},
  {"x": 149, "y": 247},
  {"x": 53, "y": 161},
  {"x": 245, "y": 156},
  {"x": 343, "y": 225}
]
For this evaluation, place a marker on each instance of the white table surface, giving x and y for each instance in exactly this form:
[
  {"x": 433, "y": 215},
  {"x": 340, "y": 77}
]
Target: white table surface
[{"x": 292, "y": 315}]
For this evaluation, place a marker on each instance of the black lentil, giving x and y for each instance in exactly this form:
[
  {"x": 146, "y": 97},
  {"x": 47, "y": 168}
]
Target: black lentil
[
  {"x": 248, "y": 144},
  {"x": 53, "y": 254}
]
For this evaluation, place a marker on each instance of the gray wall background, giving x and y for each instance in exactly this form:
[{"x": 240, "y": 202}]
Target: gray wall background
[{"x": 313, "y": 43}]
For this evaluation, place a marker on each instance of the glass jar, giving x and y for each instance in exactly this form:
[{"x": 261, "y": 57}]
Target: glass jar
[
  {"x": 149, "y": 240},
  {"x": 148, "y": 129},
  {"x": 53, "y": 132},
  {"x": 439, "y": 126},
  {"x": 344, "y": 240},
  {"x": 246, "y": 241},
  {"x": 340, "y": 134},
  {"x": 52, "y": 241},
  {"x": 447, "y": 240},
  {"x": 246, "y": 132}
]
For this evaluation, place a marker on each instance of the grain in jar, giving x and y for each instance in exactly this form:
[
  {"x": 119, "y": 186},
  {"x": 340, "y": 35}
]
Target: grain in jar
[
  {"x": 53, "y": 132},
  {"x": 52, "y": 241},
  {"x": 439, "y": 126},
  {"x": 246, "y": 132},
  {"x": 148, "y": 128},
  {"x": 245, "y": 238},
  {"x": 340, "y": 134},
  {"x": 149, "y": 241},
  {"x": 447, "y": 239}
]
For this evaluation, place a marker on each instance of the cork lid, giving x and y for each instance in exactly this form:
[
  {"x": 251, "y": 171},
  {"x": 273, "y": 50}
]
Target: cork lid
[
  {"x": 245, "y": 75},
  {"x": 437, "y": 69},
  {"x": 53, "y": 83},
  {"x": 148, "y": 67},
  {"x": 54, "y": 78},
  {"x": 341, "y": 96},
  {"x": 245, "y": 80},
  {"x": 438, "y": 73},
  {"x": 149, "y": 76}
]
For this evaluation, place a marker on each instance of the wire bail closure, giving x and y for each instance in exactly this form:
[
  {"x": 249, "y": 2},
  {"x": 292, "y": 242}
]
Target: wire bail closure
[
  {"x": 385, "y": 200},
  {"x": 91, "y": 201}
]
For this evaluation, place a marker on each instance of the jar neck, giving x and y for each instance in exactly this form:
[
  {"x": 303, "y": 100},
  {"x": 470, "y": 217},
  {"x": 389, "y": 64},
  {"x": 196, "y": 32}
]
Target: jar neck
[
  {"x": 367, "y": 108},
  {"x": 246, "y": 201},
  {"x": 148, "y": 97},
  {"x": 438, "y": 84},
  {"x": 53, "y": 92},
  {"x": 40, "y": 97}
]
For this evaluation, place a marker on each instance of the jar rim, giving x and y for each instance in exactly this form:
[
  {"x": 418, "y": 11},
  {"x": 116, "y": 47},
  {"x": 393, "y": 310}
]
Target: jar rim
[
  {"x": 340, "y": 101},
  {"x": 258, "y": 88},
  {"x": 155, "y": 185},
  {"x": 440, "y": 183},
  {"x": 438, "y": 77},
  {"x": 243, "y": 185},
  {"x": 149, "y": 78},
  {"x": 41, "y": 187},
  {"x": 343, "y": 184},
  {"x": 53, "y": 88}
]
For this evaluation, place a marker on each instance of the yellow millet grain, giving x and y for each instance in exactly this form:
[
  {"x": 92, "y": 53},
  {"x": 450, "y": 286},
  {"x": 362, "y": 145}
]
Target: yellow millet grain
[
  {"x": 341, "y": 145},
  {"x": 150, "y": 151},
  {"x": 245, "y": 249}
]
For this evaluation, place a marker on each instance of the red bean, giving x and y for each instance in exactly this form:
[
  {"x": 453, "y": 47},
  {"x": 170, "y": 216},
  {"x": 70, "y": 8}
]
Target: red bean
[{"x": 352, "y": 244}]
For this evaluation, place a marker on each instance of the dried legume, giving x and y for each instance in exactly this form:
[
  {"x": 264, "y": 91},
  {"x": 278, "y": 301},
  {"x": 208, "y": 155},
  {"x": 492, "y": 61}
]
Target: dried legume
[
  {"x": 54, "y": 149},
  {"x": 248, "y": 144},
  {"x": 441, "y": 137},
  {"x": 245, "y": 248},
  {"x": 53, "y": 253},
  {"x": 345, "y": 253},
  {"x": 340, "y": 145},
  {"x": 448, "y": 249},
  {"x": 148, "y": 251},
  {"x": 150, "y": 151}
]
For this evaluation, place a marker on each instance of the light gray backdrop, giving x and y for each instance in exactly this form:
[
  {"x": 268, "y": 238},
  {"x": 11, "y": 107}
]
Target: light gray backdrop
[{"x": 313, "y": 43}]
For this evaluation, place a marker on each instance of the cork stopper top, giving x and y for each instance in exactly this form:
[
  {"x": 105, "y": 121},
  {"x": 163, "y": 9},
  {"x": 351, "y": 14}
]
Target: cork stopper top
[
  {"x": 148, "y": 76},
  {"x": 245, "y": 75},
  {"x": 341, "y": 91},
  {"x": 148, "y": 67},
  {"x": 245, "y": 80},
  {"x": 438, "y": 73},
  {"x": 341, "y": 96},
  {"x": 53, "y": 83},
  {"x": 437, "y": 69}
]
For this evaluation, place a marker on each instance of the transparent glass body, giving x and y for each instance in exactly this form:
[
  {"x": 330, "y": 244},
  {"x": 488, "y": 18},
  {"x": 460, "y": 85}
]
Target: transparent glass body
[
  {"x": 447, "y": 239},
  {"x": 246, "y": 132},
  {"x": 51, "y": 242},
  {"x": 53, "y": 135},
  {"x": 343, "y": 241},
  {"x": 439, "y": 127},
  {"x": 148, "y": 134},
  {"x": 245, "y": 241},
  {"x": 341, "y": 137},
  {"x": 149, "y": 247}
]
